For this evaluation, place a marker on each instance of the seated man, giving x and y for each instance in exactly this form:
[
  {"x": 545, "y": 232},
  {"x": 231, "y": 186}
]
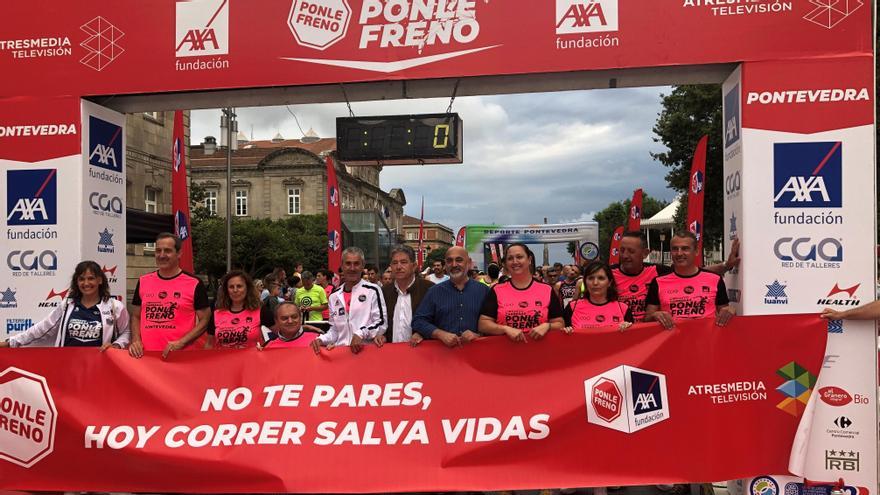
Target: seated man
[
  {"x": 288, "y": 329},
  {"x": 450, "y": 310},
  {"x": 357, "y": 308}
]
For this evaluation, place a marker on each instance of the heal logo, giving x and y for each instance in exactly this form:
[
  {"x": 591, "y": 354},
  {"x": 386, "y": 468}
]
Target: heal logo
[
  {"x": 807, "y": 175},
  {"x": 586, "y": 16},
  {"x": 105, "y": 144},
  {"x": 31, "y": 197},
  {"x": 202, "y": 28},
  {"x": 731, "y": 117}
]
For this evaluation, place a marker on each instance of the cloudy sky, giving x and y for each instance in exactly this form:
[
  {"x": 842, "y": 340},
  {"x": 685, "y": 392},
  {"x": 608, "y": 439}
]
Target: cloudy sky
[{"x": 560, "y": 155}]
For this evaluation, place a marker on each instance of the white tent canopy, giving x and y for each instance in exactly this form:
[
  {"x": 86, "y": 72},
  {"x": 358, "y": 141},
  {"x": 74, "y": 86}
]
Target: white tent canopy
[{"x": 664, "y": 218}]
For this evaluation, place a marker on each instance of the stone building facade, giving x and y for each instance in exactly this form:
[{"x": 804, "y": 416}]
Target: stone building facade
[
  {"x": 277, "y": 178},
  {"x": 436, "y": 235},
  {"x": 147, "y": 178}
]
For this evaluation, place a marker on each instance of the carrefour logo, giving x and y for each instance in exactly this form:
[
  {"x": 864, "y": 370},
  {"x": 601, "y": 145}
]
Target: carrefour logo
[
  {"x": 807, "y": 175},
  {"x": 105, "y": 144},
  {"x": 31, "y": 197}
]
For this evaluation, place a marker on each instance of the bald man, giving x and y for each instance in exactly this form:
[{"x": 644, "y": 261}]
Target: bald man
[{"x": 451, "y": 309}]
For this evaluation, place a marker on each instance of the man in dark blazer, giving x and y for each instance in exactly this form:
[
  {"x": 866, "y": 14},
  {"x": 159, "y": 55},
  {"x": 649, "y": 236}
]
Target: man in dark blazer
[{"x": 402, "y": 297}]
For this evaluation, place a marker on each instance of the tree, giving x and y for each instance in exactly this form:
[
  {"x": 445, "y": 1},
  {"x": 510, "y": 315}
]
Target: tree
[
  {"x": 259, "y": 245},
  {"x": 617, "y": 214},
  {"x": 690, "y": 112}
]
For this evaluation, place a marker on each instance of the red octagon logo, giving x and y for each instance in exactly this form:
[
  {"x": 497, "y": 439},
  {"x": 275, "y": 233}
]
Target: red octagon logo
[
  {"x": 319, "y": 24},
  {"x": 27, "y": 417},
  {"x": 607, "y": 399}
]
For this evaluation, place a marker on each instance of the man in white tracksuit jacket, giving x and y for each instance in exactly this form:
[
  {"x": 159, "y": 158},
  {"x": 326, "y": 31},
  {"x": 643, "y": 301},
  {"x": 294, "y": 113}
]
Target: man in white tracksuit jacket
[{"x": 357, "y": 308}]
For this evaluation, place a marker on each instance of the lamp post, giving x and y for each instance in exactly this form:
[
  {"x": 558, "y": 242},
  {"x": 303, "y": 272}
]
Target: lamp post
[{"x": 229, "y": 116}]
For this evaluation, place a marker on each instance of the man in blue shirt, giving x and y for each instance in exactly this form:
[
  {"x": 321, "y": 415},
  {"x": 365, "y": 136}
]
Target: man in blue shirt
[{"x": 451, "y": 309}]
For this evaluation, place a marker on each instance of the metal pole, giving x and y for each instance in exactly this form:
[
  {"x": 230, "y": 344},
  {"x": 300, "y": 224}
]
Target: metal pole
[
  {"x": 229, "y": 118},
  {"x": 546, "y": 250}
]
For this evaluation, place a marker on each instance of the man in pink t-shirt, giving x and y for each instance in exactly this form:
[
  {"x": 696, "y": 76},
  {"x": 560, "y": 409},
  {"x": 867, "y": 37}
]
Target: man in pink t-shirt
[
  {"x": 689, "y": 292},
  {"x": 171, "y": 305}
]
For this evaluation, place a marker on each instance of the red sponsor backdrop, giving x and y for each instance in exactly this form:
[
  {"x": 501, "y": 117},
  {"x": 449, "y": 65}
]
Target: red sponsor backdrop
[
  {"x": 93, "y": 48},
  {"x": 492, "y": 378},
  {"x": 831, "y": 94},
  {"x": 36, "y": 129}
]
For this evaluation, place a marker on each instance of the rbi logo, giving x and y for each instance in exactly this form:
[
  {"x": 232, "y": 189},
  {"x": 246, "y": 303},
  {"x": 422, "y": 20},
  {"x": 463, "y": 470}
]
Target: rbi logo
[
  {"x": 31, "y": 197},
  {"x": 808, "y": 175},
  {"x": 202, "y": 28},
  {"x": 105, "y": 144}
]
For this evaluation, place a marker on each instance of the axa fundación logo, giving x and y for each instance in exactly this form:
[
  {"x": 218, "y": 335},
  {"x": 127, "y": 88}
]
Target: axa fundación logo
[
  {"x": 32, "y": 204},
  {"x": 732, "y": 122},
  {"x": 102, "y": 44},
  {"x": 626, "y": 399},
  {"x": 586, "y": 16},
  {"x": 201, "y": 30},
  {"x": 829, "y": 13},
  {"x": 808, "y": 175},
  {"x": 796, "y": 388},
  {"x": 105, "y": 144}
]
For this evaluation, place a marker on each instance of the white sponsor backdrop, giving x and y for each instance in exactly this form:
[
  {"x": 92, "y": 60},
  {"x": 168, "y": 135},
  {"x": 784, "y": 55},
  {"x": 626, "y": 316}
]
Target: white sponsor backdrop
[
  {"x": 103, "y": 192},
  {"x": 793, "y": 265},
  {"x": 40, "y": 233},
  {"x": 50, "y": 225}
]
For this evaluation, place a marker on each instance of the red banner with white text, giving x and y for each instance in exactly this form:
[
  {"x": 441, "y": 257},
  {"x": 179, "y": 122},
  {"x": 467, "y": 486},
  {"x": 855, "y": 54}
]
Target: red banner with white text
[{"x": 564, "y": 411}]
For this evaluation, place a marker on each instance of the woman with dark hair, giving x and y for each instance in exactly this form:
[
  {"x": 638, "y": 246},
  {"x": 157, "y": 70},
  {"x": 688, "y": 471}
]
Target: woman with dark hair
[
  {"x": 88, "y": 316},
  {"x": 236, "y": 322},
  {"x": 522, "y": 305},
  {"x": 598, "y": 307}
]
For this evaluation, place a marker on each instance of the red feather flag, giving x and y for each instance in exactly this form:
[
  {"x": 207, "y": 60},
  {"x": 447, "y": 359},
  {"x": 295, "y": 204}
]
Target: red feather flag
[
  {"x": 696, "y": 195},
  {"x": 635, "y": 212}
]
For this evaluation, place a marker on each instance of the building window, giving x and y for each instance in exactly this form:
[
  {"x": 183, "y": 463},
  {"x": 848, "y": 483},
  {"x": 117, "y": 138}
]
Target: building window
[
  {"x": 156, "y": 117},
  {"x": 293, "y": 201},
  {"x": 211, "y": 201},
  {"x": 151, "y": 204},
  {"x": 241, "y": 203},
  {"x": 411, "y": 236}
]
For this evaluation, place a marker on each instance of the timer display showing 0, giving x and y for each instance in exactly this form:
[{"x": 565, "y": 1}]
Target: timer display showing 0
[{"x": 399, "y": 139}]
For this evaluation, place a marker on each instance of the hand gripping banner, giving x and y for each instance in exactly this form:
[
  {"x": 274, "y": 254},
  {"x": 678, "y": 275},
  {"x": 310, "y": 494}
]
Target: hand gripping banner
[{"x": 595, "y": 408}]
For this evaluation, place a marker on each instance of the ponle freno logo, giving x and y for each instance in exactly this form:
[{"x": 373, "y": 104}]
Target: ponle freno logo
[
  {"x": 626, "y": 399},
  {"x": 201, "y": 28},
  {"x": 586, "y": 16},
  {"x": 28, "y": 412},
  {"x": 397, "y": 25}
]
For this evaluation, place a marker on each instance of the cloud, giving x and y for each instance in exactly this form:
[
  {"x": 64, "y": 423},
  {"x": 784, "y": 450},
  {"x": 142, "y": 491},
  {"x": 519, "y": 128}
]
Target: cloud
[{"x": 562, "y": 155}]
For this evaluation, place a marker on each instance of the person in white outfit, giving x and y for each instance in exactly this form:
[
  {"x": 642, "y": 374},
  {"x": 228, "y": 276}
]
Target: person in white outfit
[{"x": 357, "y": 308}]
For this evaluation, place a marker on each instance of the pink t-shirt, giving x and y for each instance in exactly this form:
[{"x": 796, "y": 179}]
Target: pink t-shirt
[
  {"x": 582, "y": 313},
  {"x": 633, "y": 289},
  {"x": 522, "y": 308},
  {"x": 688, "y": 297},
  {"x": 303, "y": 340},
  {"x": 168, "y": 307},
  {"x": 236, "y": 330}
]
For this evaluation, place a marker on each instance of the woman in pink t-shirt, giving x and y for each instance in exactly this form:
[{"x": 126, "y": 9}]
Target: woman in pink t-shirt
[
  {"x": 236, "y": 322},
  {"x": 599, "y": 307},
  {"x": 522, "y": 305}
]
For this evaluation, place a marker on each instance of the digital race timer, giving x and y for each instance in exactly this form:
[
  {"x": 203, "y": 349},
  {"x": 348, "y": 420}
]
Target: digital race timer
[{"x": 399, "y": 139}]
